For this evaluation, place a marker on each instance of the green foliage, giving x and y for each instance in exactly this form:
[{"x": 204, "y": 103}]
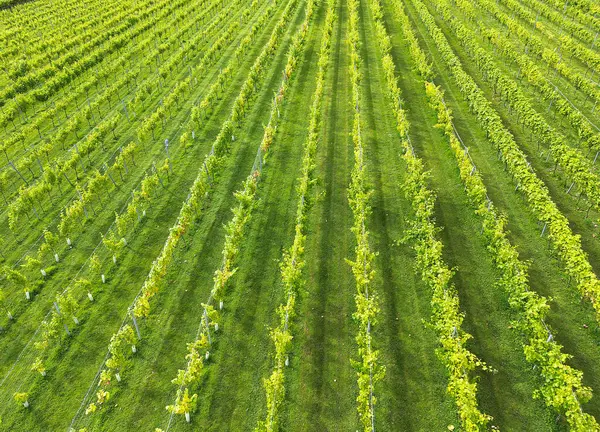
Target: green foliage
[
  {"x": 21, "y": 398},
  {"x": 446, "y": 316},
  {"x": 562, "y": 387},
  {"x": 184, "y": 403}
]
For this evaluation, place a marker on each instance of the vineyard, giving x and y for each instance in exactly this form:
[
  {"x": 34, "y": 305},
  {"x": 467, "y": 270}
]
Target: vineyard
[{"x": 299, "y": 215}]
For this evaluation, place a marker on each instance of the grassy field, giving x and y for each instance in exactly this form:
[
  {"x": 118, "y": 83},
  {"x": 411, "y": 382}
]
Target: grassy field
[{"x": 319, "y": 107}]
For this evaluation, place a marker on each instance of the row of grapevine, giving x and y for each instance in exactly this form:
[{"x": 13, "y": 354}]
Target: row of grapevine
[
  {"x": 27, "y": 132},
  {"x": 199, "y": 349},
  {"x": 62, "y": 16},
  {"x": 39, "y": 191},
  {"x": 293, "y": 258},
  {"x": 582, "y": 125},
  {"x": 51, "y": 172},
  {"x": 27, "y": 15},
  {"x": 71, "y": 127},
  {"x": 446, "y": 316},
  {"x": 576, "y": 167},
  {"x": 98, "y": 181},
  {"x": 67, "y": 304},
  {"x": 78, "y": 208},
  {"x": 562, "y": 387},
  {"x": 588, "y": 57},
  {"x": 43, "y": 82},
  {"x": 201, "y": 108},
  {"x": 577, "y": 13},
  {"x": 10, "y": 112},
  {"x": 566, "y": 244},
  {"x": 35, "y": 51},
  {"x": 68, "y": 221},
  {"x": 148, "y": 124},
  {"x": 192, "y": 207},
  {"x": 120, "y": 166},
  {"x": 534, "y": 46},
  {"x": 188, "y": 380},
  {"x": 368, "y": 370},
  {"x": 211, "y": 164},
  {"x": 587, "y": 6},
  {"x": 113, "y": 242},
  {"x": 75, "y": 215},
  {"x": 570, "y": 27}
]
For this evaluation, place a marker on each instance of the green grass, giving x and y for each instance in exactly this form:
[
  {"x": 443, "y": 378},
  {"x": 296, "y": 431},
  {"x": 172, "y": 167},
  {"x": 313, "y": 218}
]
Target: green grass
[
  {"x": 578, "y": 97},
  {"x": 415, "y": 379},
  {"x": 87, "y": 349},
  {"x": 320, "y": 381},
  {"x": 321, "y": 370},
  {"x": 545, "y": 274},
  {"x": 86, "y": 241},
  {"x": 569, "y": 315},
  {"x": 505, "y": 395}
]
